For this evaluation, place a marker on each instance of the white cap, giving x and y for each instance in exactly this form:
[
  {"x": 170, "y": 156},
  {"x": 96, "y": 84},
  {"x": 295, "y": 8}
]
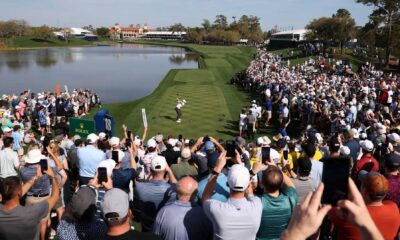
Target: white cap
[
  {"x": 319, "y": 138},
  {"x": 92, "y": 138},
  {"x": 344, "y": 150},
  {"x": 367, "y": 145},
  {"x": 114, "y": 141},
  {"x": 151, "y": 143},
  {"x": 186, "y": 153},
  {"x": 102, "y": 135},
  {"x": 109, "y": 164},
  {"x": 7, "y": 129},
  {"x": 34, "y": 156},
  {"x": 238, "y": 178},
  {"x": 159, "y": 138},
  {"x": 394, "y": 137},
  {"x": 158, "y": 164},
  {"x": 382, "y": 130},
  {"x": 172, "y": 141}
]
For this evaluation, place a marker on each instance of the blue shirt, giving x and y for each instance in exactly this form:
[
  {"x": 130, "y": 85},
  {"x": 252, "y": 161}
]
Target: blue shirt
[
  {"x": 70, "y": 230},
  {"x": 354, "y": 148},
  {"x": 221, "y": 190},
  {"x": 18, "y": 137},
  {"x": 122, "y": 177},
  {"x": 153, "y": 195},
  {"x": 42, "y": 185},
  {"x": 89, "y": 158},
  {"x": 183, "y": 221}
]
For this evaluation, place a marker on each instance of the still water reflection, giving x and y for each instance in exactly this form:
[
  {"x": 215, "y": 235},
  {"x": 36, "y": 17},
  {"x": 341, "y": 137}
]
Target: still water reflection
[{"x": 117, "y": 73}]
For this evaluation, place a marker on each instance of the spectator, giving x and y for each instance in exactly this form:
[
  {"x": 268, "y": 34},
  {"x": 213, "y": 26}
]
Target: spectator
[
  {"x": 117, "y": 215},
  {"x": 122, "y": 177},
  {"x": 316, "y": 166},
  {"x": 24, "y": 222},
  {"x": 392, "y": 164},
  {"x": 384, "y": 213},
  {"x": 184, "y": 168},
  {"x": 367, "y": 161},
  {"x": 352, "y": 144},
  {"x": 183, "y": 219},
  {"x": 9, "y": 161},
  {"x": 170, "y": 154},
  {"x": 156, "y": 193},
  {"x": 242, "y": 209},
  {"x": 302, "y": 182},
  {"x": 79, "y": 220},
  {"x": 278, "y": 200},
  {"x": 89, "y": 157}
]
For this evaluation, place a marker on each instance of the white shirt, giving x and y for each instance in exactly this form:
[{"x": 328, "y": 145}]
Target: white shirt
[{"x": 8, "y": 162}]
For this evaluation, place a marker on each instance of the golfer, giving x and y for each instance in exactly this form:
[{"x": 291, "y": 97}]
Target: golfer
[{"x": 179, "y": 105}]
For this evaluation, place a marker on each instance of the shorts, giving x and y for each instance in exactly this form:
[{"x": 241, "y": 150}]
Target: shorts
[
  {"x": 43, "y": 125},
  {"x": 30, "y": 200},
  {"x": 60, "y": 201}
]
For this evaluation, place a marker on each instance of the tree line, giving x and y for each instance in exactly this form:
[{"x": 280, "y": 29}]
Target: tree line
[{"x": 381, "y": 31}]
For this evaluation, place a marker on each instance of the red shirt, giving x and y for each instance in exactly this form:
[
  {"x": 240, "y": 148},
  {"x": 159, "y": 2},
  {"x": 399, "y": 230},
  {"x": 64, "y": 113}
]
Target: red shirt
[
  {"x": 386, "y": 217},
  {"x": 394, "y": 188}
]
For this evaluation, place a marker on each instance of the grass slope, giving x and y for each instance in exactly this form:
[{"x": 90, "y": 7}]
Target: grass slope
[{"x": 213, "y": 103}]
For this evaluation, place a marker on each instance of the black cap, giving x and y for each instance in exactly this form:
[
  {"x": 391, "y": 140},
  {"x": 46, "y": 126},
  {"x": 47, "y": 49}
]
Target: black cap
[{"x": 392, "y": 160}]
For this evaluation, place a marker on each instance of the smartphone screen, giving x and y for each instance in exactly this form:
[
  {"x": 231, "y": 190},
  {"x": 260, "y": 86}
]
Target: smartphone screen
[
  {"x": 43, "y": 165},
  {"x": 128, "y": 143},
  {"x": 230, "y": 149},
  {"x": 129, "y": 133},
  {"x": 285, "y": 154},
  {"x": 102, "y": 174},
  {"x": 335, "y": 177},
  {"x": 265, "y": 154},
  {"x": 114, "y": 156}
]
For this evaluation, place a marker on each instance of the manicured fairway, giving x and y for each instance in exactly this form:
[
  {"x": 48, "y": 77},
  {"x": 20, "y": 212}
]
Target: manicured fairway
[{"x": 213, "y": 104}]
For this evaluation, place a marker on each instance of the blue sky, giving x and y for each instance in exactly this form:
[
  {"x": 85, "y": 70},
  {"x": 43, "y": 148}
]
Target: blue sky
[{"x": 78, "y": 13}]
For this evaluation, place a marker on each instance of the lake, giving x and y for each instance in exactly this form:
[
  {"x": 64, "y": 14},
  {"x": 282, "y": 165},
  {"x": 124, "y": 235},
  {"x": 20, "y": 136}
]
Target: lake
[{"x": 116, "y": 73}]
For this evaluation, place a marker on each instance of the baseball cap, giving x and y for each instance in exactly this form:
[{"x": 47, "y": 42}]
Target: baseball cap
[
  {"x": 115, "y": 205},
  {"x": 238, "y": 178},
  {"x": 392, "y": 160},
  {"x": 345, "y": 150},
  {"x": 394, "y": 137},
  {"x": 82, "y": 200},
  {"x": 367, "y": 145},
  {"x": 114, "y": 141},
  {"x": 240, "y": 141},
  {"x": 102, "y": 135},
  {"x": 186, "y": 153},
  {"x": 159, "y": 138},
  {"x": 209, "y": 145},
  {"x": 158, "y": 164},
  {"x": 375, "y": 184},
  {"x": 151, "y": 143},
  {"x": 260, "y": 141},
  {"x": 7, "y": 129},
  {"x": 172, "y": 141},
  {"x": 92, "y": 138}
]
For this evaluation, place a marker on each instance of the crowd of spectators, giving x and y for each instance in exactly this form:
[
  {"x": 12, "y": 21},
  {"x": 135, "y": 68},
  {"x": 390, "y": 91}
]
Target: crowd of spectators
[{"x": 182, "y": 188}]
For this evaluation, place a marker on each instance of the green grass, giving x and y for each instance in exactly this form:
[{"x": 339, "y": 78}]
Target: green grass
[
  {"x": 213, "y": 104},
  {"x": 28, "y": 42}
]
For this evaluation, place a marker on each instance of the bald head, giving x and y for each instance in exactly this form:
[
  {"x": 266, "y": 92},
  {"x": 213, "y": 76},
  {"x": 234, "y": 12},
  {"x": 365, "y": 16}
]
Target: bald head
[{"x": 185, "y": 188}]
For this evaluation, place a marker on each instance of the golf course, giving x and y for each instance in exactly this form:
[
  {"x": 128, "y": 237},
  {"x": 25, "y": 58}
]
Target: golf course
[{"x": 213, "y": 104}]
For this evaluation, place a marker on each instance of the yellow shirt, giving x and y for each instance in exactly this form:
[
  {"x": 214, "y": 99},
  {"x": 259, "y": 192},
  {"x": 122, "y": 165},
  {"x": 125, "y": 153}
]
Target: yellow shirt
[
  {"x": 317, "y": 156},
  {"x": 290, "y": 159}
]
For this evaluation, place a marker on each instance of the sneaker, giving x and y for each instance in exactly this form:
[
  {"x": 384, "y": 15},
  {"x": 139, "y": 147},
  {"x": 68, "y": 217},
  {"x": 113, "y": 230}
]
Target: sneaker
[{"x": 178, "y": 121}]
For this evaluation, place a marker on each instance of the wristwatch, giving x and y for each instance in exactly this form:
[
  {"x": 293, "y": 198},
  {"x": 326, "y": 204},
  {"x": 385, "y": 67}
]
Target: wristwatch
[
  {"x": 213, "y": 172},
  {"x": 252, "y": 173}
]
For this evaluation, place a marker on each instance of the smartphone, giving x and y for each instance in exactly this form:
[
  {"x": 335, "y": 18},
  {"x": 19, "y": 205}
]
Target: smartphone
[
  {"x": 102, "y": 174},
  {"x": 285, "y": 154},
  {"x": 43, "y": 165},
  {"x": 129, "y": 133},
  {"x": 230, "y": 149},
  {"x": 115, "y": 156},
  {"x": 335, "y": 177},
  {"x": 128, "y": 143},
  {"x": 265, "y": 154},
  {"x": 206, "y": 138}
]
